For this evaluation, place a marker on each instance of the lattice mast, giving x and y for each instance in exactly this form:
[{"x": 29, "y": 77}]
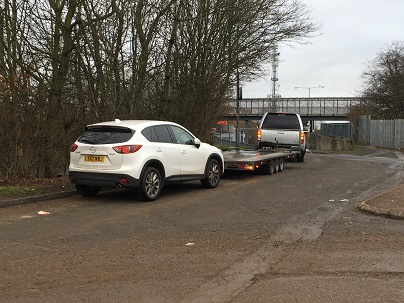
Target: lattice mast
[{"x": 274, "y": 78}]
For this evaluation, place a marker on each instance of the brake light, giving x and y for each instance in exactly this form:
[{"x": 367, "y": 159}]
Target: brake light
[
  {"x": 259, "y": 135},
  {"x": 302, "y": 137},
  {"x": 127, "y": 149},
  {"x": 73, "y": 147}
]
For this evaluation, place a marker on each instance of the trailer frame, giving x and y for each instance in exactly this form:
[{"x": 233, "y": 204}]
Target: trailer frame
[{"x": 269, "y": 161}]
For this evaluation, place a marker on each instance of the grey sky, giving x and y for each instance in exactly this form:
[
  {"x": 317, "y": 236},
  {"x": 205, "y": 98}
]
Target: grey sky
[{"x": 353, "y": 32}]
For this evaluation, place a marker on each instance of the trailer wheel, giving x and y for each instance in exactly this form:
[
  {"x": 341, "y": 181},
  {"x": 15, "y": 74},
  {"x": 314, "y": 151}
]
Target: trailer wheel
[
  {"x": 269, "y": 168},
  {"x": 276, "y": 166},
  {"x": 280, "y": 166}
]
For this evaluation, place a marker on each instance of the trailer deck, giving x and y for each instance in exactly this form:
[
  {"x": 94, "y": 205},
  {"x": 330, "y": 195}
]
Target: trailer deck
[{"x": 268, "y": 161}]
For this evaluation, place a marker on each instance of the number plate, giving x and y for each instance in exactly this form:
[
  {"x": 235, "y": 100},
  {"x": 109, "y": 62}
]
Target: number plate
[{"x": 93, "y": 158}]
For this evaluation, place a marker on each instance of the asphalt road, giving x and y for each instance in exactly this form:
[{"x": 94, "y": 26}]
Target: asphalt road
[{"x": 292, "y": 237}]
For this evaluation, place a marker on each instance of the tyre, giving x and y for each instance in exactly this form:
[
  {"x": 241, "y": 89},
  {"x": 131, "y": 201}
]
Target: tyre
[
  {"x": 151, "y": 184},
  {"x": 212, "y": 174},
  {"x": 276, "y": 166},
  {"x": 269, "y": 168},
  {"x": 300, "y": 158},
  {"x": 87, "y": 190},
  {"x": 281, "y": 163}
]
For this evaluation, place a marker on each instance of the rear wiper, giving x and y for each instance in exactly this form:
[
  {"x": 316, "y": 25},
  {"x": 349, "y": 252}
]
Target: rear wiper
[{"x": 86, "y": 141}]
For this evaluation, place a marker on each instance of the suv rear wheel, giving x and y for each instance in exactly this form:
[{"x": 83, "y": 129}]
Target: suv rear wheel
[
  {"x": 151, "y": 184},
  {"x": 87, "y": 190}
]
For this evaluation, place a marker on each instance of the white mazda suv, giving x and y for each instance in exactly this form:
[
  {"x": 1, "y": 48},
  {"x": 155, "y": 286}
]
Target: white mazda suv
[{"x": 141, "y": 154}]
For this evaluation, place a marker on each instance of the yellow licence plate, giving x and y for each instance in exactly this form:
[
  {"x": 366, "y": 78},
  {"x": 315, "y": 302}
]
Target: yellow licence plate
[{"x": 93, "y": 158}]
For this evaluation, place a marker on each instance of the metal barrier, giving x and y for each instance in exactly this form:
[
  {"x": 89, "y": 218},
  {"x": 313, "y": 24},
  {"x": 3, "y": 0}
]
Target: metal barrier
[
  {"x": 332, "y": 106},
  {"x": 383, "y": 133},
  {"x": 225, "y": 135},
  {"x": 337, "y": 130}
]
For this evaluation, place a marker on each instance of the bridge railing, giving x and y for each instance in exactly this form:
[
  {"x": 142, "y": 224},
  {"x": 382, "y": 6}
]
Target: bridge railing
[{"x": 331, "y": 106}]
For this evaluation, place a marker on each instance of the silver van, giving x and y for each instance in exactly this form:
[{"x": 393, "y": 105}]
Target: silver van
[{"x": 282, "y": 130}]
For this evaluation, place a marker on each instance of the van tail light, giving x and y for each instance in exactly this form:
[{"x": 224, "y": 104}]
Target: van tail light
[
  {"x": 73, "y": 147},
  {"x": 302, "y": 137},
  {"x": 127, "y": 149},
  {"x": 259, "y": 135}
]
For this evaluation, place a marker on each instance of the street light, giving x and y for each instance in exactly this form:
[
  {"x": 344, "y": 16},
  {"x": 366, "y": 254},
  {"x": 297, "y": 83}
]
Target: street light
[{"x": 309, "y": 87}]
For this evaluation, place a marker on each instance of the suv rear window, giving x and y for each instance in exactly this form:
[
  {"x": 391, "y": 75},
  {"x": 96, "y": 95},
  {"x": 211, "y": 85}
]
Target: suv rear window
[
  {"x": 105, "y": 135},
  {"x": 281, "y": 121}
]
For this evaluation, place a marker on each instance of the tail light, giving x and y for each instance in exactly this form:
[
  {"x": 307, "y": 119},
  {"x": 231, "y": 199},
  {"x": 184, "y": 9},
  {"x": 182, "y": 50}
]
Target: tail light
[
  {"x": 302, "y": 137},
  {"x": 259, "y": 135},
  {"x": 124, "y": 181},
  {"x": 73, "y": 147},
  {"x": 127, "y": 149}
]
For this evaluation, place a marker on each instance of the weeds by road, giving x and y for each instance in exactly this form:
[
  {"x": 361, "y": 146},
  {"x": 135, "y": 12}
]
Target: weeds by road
[{"x": 17, "y": 188}]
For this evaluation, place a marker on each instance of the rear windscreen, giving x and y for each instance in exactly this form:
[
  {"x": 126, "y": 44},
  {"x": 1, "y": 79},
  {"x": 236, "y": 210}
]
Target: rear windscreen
[
  {"x": 281, "y": 121},
  {"x": 105, "y": 135}
]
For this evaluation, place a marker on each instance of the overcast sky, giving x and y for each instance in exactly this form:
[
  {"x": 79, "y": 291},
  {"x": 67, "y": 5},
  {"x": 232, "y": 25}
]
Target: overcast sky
[{"x": 352, "y": 33}]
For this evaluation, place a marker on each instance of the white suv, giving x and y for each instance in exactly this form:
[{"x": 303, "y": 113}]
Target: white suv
[{"x": 141, "y": 154}]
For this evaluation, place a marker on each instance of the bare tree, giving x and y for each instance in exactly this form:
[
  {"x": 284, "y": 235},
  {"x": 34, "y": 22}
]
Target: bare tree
[
  {"x": 16, "y": 93},
  {"x": 148, "y": 18},
  {"x": 384, "y": 82},
  {"x": 66, "y": 63},
  {"x": 101, "y": 57},
  {"x": 207, "y": 41}
]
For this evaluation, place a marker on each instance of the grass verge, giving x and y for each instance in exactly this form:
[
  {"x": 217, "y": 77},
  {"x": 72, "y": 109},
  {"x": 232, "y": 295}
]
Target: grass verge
[{"x": 13, "y": 189}]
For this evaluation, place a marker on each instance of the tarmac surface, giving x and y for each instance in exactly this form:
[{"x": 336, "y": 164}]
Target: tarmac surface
[
  {"x": 389, "y": 204},
  {"x": 257, "y": 239}
]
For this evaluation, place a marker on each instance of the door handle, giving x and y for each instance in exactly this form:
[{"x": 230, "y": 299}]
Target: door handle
[{"x": 159, "y": 150}]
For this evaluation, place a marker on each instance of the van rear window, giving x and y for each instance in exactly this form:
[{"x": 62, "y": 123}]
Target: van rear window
[
  {"x": 281, "y": 121},
  {"x": 105, "y": 135}
]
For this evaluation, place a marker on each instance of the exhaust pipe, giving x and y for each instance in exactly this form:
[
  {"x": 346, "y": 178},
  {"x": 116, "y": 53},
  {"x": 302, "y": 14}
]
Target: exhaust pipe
[{"x": 119, "y": 185}]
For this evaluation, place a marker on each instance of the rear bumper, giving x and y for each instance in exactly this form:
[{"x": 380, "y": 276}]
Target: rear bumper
[
  {"x": 103, "y": 179},
  {"x": 277, "y": 145}
]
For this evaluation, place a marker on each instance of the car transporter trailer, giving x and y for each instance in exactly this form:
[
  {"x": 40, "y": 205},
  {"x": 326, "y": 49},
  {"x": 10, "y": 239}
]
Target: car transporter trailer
[{"x": 266, "y": 161}]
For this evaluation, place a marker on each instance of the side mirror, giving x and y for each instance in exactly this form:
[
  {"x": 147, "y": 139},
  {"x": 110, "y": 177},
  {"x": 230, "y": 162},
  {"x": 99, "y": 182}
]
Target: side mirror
[{"x": 197, "y": 142}]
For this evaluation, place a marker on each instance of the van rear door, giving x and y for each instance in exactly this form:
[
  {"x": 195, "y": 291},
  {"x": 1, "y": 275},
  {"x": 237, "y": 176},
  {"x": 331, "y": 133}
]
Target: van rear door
[{"x": 281, "y": 129}]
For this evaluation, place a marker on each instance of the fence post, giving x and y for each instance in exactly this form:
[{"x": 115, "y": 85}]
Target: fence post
[
  {"x": 397, "y": 133},
  {"x": 364, "y": 130}
]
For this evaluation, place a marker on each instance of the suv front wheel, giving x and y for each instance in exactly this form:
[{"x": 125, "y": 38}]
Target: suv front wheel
[{"x": 212, "y": 174}]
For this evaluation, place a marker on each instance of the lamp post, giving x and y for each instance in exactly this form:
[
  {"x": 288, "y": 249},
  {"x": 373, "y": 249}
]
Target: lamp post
[
  {"x": 238, "y": 97},
  {"x": 309, "y": 87}
]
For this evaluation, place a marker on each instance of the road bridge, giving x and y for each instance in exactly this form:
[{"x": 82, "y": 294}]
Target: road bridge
[
  {"x": 252, "y": 110},
  {"x": 310, "y": 109}
]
